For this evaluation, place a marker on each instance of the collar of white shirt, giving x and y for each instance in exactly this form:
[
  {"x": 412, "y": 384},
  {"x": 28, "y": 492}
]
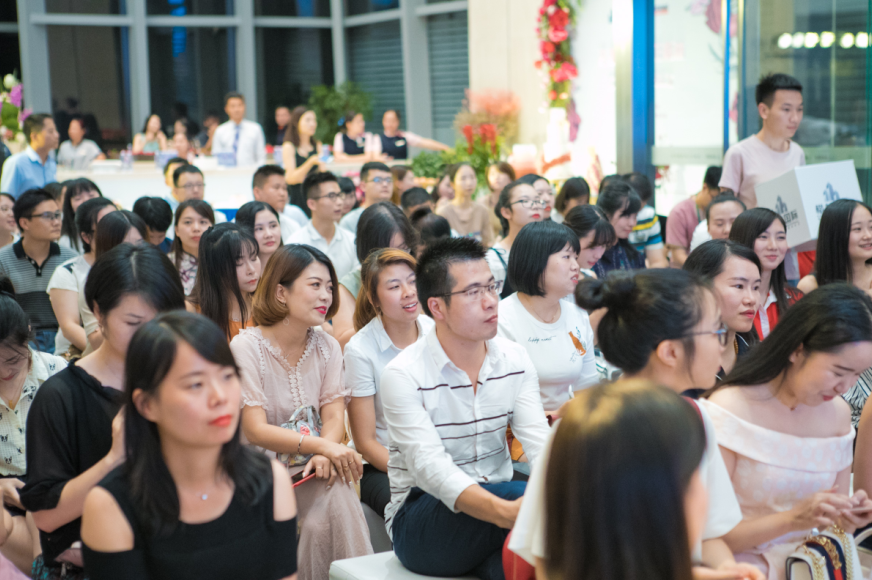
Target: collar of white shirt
[
  {"x": 384, "y": 341},
  {"x": 338, "y": 234},
  {"x": 441, "y": 359}
]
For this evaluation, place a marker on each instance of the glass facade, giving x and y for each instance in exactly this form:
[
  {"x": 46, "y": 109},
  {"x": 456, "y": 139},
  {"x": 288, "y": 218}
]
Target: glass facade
[
  {"x": 10, "y": 54},
  {"x": 353, "y": 7},
  {"x": 188, "y": 7},
  {"x": 82, "y": 6},
  {"x": 292, "y": 8}
]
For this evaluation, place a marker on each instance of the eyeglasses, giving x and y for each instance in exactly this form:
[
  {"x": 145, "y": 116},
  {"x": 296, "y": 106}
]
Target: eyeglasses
[
  {"x": 333, "y": 196},
  {"x": 477, "y": 292},
  {"x": 380, "y": 180},
  {"x": 190, "y": 186},
  {"x": 721, "y": 332},
  {"x": 530, "y": 203},
  {"x": 48, "y": 216}
]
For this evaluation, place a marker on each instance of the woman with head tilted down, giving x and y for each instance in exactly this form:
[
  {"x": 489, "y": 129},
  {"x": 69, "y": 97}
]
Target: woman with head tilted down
[
  {"x": 293, "y": 398},
  {"x": 190, "y": 501},
  {"x": 664, "y": 326},
  {"x": 785, "y": 432},
  {"x": 75, "y": 434}
]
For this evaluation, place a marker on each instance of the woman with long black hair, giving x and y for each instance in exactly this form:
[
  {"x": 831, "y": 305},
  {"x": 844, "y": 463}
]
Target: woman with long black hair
[
  {"x": 191, "y": 500},
  {"x": 76, "y": 192},
  {"x": 620, "y": 203}
]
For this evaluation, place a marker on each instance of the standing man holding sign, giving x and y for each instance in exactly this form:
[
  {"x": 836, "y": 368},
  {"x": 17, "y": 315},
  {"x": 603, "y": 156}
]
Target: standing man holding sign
[{"x": 771, "y": 152}]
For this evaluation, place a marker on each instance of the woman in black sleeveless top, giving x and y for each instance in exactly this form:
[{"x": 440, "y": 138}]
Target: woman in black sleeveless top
[
  {"x": 353, "y": 144},
  {"x": 191, "y": 501},
  {"x": 300, "y": 153},
  {"x": 395, "y": 143}
]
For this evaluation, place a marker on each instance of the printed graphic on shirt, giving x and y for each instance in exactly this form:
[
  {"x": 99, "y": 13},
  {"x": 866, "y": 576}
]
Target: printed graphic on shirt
[{"x": 579, "y": 347}]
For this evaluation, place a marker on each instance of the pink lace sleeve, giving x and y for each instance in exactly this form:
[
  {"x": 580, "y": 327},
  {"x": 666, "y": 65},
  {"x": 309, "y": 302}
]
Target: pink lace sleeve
[
  {"x": 333, "y": 384},
  {"x": 249, "y": 358}
]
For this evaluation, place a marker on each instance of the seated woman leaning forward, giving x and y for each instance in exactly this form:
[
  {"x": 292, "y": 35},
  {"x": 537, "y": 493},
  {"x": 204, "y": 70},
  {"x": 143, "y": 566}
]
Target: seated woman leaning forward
[{"x": 785, "y": 432}]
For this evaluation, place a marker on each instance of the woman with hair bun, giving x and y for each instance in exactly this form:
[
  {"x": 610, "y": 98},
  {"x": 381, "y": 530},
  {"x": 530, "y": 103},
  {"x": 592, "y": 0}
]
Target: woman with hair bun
[{"x": 663, "y": 326}]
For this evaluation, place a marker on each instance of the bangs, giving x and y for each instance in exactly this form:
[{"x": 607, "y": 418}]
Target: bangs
[
  {"x": 604, "y": 235},
  {"x": 634, "y": 204}
]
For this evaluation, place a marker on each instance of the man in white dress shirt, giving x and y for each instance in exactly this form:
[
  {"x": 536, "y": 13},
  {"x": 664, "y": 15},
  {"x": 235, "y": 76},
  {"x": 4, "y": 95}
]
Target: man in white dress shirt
[
  {"x": 447, "y": 401},
  {"x": 378, "y": 185},
  {"x": 239, "y": 136},
  {"x": 268, "y": 186},
  {"x": 325, "y": 200}
]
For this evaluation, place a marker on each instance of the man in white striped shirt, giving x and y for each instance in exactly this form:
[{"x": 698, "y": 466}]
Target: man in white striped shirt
[{"x": 447, "y": 402}]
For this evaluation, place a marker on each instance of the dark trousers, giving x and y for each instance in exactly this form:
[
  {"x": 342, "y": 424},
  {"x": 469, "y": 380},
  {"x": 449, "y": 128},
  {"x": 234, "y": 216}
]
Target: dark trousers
[
  {"x": 430, "y": 539},
  {"x": 375, "y": 489}
]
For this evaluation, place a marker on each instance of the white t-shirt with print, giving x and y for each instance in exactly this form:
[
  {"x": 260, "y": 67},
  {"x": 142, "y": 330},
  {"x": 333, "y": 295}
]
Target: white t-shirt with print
[{"x": 70, "y": 275}]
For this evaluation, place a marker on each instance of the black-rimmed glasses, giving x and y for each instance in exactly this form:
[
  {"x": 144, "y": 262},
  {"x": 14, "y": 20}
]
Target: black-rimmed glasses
[{"x": 477, "y": 292}]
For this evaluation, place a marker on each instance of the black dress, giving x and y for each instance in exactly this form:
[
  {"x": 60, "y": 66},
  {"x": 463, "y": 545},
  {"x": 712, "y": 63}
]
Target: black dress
[
  {"x": 245, "y": 542},
  {"x": 69, "y": 430},
  {"x": 395, "y": 146},
  {"x": 352, "y": 146},
  {"x": 295, "y": 191}
]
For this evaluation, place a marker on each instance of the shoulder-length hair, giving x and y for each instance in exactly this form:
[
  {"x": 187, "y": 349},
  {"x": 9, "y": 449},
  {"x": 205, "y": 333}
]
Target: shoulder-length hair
[
  {"x": 823, "y": 321},
  {"x": 113, "y": 228},
  {"x": 832, "y": 262},
  {"x": 203, "y": 209},
  {"x": 217, "y": 284},
  {"x": 366, "y": 308},
  {"x": 746, "y": 229},
  {"x": 618, "y": 196},
  {"x": 582, "y": 219},
  {"x": 378, "y": 224},
  {"x": 150, "y": 357},
  {"x": 573, "y": 188},
  {"x": 644, "y": 443},
  {"x": 292, "y": 133},
  {"x": 283, "y": 269},
  {"x": 68, "y": 226},
  {"x": 535, "y": 243}
]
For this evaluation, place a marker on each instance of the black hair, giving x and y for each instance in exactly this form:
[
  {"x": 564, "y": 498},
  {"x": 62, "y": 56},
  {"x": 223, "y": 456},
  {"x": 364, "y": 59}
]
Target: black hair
[
  {"x": 127, "y": 269},
  {"x": 147, "y": 119},
  {"x": 346, "y": 185},
  {"x": 86, "y": 219},
  {"x": 395, "y": 112},
  {"x": 114, "y": 227},
  {"x": 349, "y": 116},
  {"x": 618, "y": 196},
  {"x": 773, "y": 82},
  {"x": 573, "y": 188},
  {"x": 233, "y": 95},
  {"x": 14, "y": 322},
  {"x": 433, "y": 273},
  {"x": 434, "y": 191},
  {"x": 150, "y": 357},
  {"x": 217, "y": 284},
  {"x": 453, "y": 169},
  {"x": 641, "y": 184},
  {"x": 746, "y": 229},
  {"x": 247, "y": 215},
  {"x": 430, "y": 226},
  {"x": 68, "y": 225},
  {"x": 414, "y": 196},
  {"x": 536, "y": 242},
  {"x": 203, "y": 209},
  {"x": 172, "y": 162},
  {"x": 313, "y": 181},
  {"x": 263, "y": 173},
  {"x": 186, "y": 168},
  {"x": 35, "y": 123},
  {"x": 378, "y": 224},
  {"x": 8, "y": 196},
  {"x": 613, "y": 178},
  {"x": 191, "y": 127},
  {"x": 823, "y": 321},
  {"x": 645, "y": 308},
  {"x": 832, "y": 262},
  {"x": 531, "y": 178},
  {"x": 372, "y": 166},
  {"x": 723, "y": 198},
  {"x": 54, "y": 188},
  {"x": 707, "y": 260},
  {"x": 155, "y": 212},
  {"x": 712, "y": 177},
  {"x": 27, "y": 202},
  {"x": 505, "y": 200},
  {"x": 644, "y": 444},
  {"x": 583, "y": 218}
]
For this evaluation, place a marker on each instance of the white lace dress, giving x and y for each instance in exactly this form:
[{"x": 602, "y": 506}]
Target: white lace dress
[{"x": 332, "y": 525}]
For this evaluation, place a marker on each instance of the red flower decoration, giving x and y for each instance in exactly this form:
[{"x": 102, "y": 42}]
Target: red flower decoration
[
  {"x": 559, "y": 19},
  {"x": 547, "y": 48},
  {"x": 548, "y": 3},
  {"x": 569, "y": 70},
  {"x": 552, "y": 95},
  {"x": 557, "y": 34},
  {"x": 468, "y": 133}
]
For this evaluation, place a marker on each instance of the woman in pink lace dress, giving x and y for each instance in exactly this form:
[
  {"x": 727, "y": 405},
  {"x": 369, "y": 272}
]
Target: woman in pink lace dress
[
  {"x": 294, "y": 399},
  {"x": 785, "y": 432}
]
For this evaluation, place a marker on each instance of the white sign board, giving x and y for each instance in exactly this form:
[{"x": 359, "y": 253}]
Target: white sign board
[{"x": 801, "y": 195}]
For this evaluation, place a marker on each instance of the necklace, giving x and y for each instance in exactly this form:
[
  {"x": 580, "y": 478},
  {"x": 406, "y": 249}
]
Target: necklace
[{"x": 736, "y": 344}]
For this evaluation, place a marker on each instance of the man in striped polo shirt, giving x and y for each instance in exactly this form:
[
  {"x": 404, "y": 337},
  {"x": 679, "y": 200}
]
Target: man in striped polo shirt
[
  {"x": 447, "y": 402},
  {"x": 31, "y": 261}
]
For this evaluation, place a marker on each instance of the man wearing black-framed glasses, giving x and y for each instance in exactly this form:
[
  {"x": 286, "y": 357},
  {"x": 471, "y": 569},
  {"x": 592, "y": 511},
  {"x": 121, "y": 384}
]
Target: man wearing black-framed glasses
[
  {"x": 30, "y": 262},
  {"x": 378, "y": 185}
]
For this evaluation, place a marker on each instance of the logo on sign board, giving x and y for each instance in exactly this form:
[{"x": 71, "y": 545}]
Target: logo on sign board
[
  {"x": 830, "y": 195},
  {"x": 791, "y": 218}
]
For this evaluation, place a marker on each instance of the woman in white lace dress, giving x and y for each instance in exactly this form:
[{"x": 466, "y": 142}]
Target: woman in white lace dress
[{"x": 294, "y": 399}]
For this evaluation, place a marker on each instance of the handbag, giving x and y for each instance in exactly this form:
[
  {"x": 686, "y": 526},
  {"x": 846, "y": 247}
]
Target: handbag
[
  {"x": 827, "y": 555},
  {"x": 306, "y": 421}
]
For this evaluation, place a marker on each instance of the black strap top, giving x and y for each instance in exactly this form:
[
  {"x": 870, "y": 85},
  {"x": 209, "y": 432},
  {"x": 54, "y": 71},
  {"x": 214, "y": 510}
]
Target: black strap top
[
  {"x": 395, "y": 146},
  {"x": 244, "y": 542},
  {"x": 352, "y": 146}
]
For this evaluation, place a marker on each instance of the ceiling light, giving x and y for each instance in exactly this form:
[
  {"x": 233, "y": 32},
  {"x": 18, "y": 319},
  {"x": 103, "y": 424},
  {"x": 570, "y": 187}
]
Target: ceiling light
[
  {"x": 798, "y": 39},
  {"x": 785, "y": 40},
  {"x": 861, "y": 40},
  {"x": 811, "y": 39},
  {"x": 847, "y": 40},
  {"x": 827, "y": 39}
]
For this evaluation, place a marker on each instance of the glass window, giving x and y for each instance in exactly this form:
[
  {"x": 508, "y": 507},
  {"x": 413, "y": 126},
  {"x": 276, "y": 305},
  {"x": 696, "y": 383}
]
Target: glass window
[
  {"x": 353, "y": 7},
  {"x": 90, "y": 77},
  {"x": 189, "y": 7},
  {"x": 449, "y": 70},
  {"x": 290, "y": 61},
  {"x": 84, "y": 6},
  {"x": 375, "y": 62},
  {"x": 10, "y": 55},
  {"x": 292, "y": 7},
  {"x": 8, "y": 12},
  {"x": 191, "y": 69}
]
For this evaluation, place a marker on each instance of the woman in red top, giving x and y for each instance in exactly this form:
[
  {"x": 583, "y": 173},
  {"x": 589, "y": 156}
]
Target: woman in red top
[{"x": 764, "y": 231}]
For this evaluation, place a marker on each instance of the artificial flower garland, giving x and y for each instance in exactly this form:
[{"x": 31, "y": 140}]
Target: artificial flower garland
[{"x": 555, "y": 18}]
